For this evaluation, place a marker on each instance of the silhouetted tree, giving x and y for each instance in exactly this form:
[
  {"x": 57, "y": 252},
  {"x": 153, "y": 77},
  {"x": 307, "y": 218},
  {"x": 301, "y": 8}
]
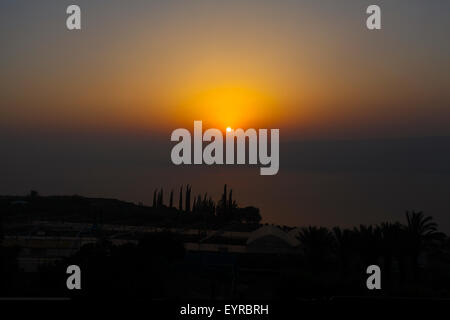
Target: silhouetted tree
[
  {"x": 188, "y": 198},
  {"x": 154, "y": 198},
  {"x": 344, "y": 247},
  {"x": 204, "y": 206},
  {"x": 391, "y": 247},
  {"x": 180, "y": 200},
  {"x": 222, "y": 204},
  {"x": 422, "y": 231},
  {"x": 248, "y": 215},
  {"x": 317, "y": 244},
  {"x": 224, "y": 199},
  {"x": 367, "y": 244},
  {"x": 160, "y": 202},
  {"x": 171, "y": 199}
]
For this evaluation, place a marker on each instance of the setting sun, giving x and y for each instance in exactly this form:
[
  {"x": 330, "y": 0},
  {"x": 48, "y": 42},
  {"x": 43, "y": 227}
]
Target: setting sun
[{"x": 228, "y": 106}]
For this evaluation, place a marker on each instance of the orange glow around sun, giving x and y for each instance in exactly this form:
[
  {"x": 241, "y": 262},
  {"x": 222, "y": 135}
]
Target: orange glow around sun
[{"x": 228, "y": 107}]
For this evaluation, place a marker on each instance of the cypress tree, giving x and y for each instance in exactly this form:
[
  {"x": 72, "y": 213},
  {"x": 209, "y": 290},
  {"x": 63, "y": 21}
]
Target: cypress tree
[
  {"x": 224, "y": 198},
  {"x": 180, "y": 199},
  {"x": 188, "y": 198}
]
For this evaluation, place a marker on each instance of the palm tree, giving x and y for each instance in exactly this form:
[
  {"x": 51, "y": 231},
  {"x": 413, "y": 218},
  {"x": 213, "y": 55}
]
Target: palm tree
[
  {"x": 392, "y": 246},
  {"x": 180, "y": 200},
  {"x": 422, "y": 227},
  {"x": 421, "y": 231},
  {"x": 318, "y": 244},
  {"x": 171, "y": 199},
  {"x": 368, "y": 243},
  {"x": 344, "y": 247}
]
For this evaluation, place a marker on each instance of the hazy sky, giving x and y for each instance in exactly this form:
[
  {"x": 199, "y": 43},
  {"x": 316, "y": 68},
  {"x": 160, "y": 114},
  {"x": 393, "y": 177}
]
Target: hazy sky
[
  {"x": 91, "y": 111},
  {"x": 310, "y": 67}
]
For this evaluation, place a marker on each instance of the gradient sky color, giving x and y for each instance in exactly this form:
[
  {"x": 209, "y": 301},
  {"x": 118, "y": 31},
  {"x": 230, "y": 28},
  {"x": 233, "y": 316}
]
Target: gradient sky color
[
  {"x": 363, "y": 115},
  {"x": 310, "y": 67}
]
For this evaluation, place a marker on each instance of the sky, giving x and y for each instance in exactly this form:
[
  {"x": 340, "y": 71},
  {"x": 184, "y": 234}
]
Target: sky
[{"x": 363, "y": 115}]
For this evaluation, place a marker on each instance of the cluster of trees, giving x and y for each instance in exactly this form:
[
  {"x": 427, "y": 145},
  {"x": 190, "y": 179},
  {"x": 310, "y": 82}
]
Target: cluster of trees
[
  {"x": 226, "y": 209},
  {"x": 394, "y": 246},
  {"x": 333, "y": 263},
  {"x": 201, "y": 204}
]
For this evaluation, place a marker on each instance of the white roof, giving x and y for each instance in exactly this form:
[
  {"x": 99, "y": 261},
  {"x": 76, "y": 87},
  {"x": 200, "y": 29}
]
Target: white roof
[{"x": 273, "y": 231}]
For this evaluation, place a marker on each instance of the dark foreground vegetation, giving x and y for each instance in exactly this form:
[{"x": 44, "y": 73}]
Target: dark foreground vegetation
[{"x": 414, "y": 256}]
